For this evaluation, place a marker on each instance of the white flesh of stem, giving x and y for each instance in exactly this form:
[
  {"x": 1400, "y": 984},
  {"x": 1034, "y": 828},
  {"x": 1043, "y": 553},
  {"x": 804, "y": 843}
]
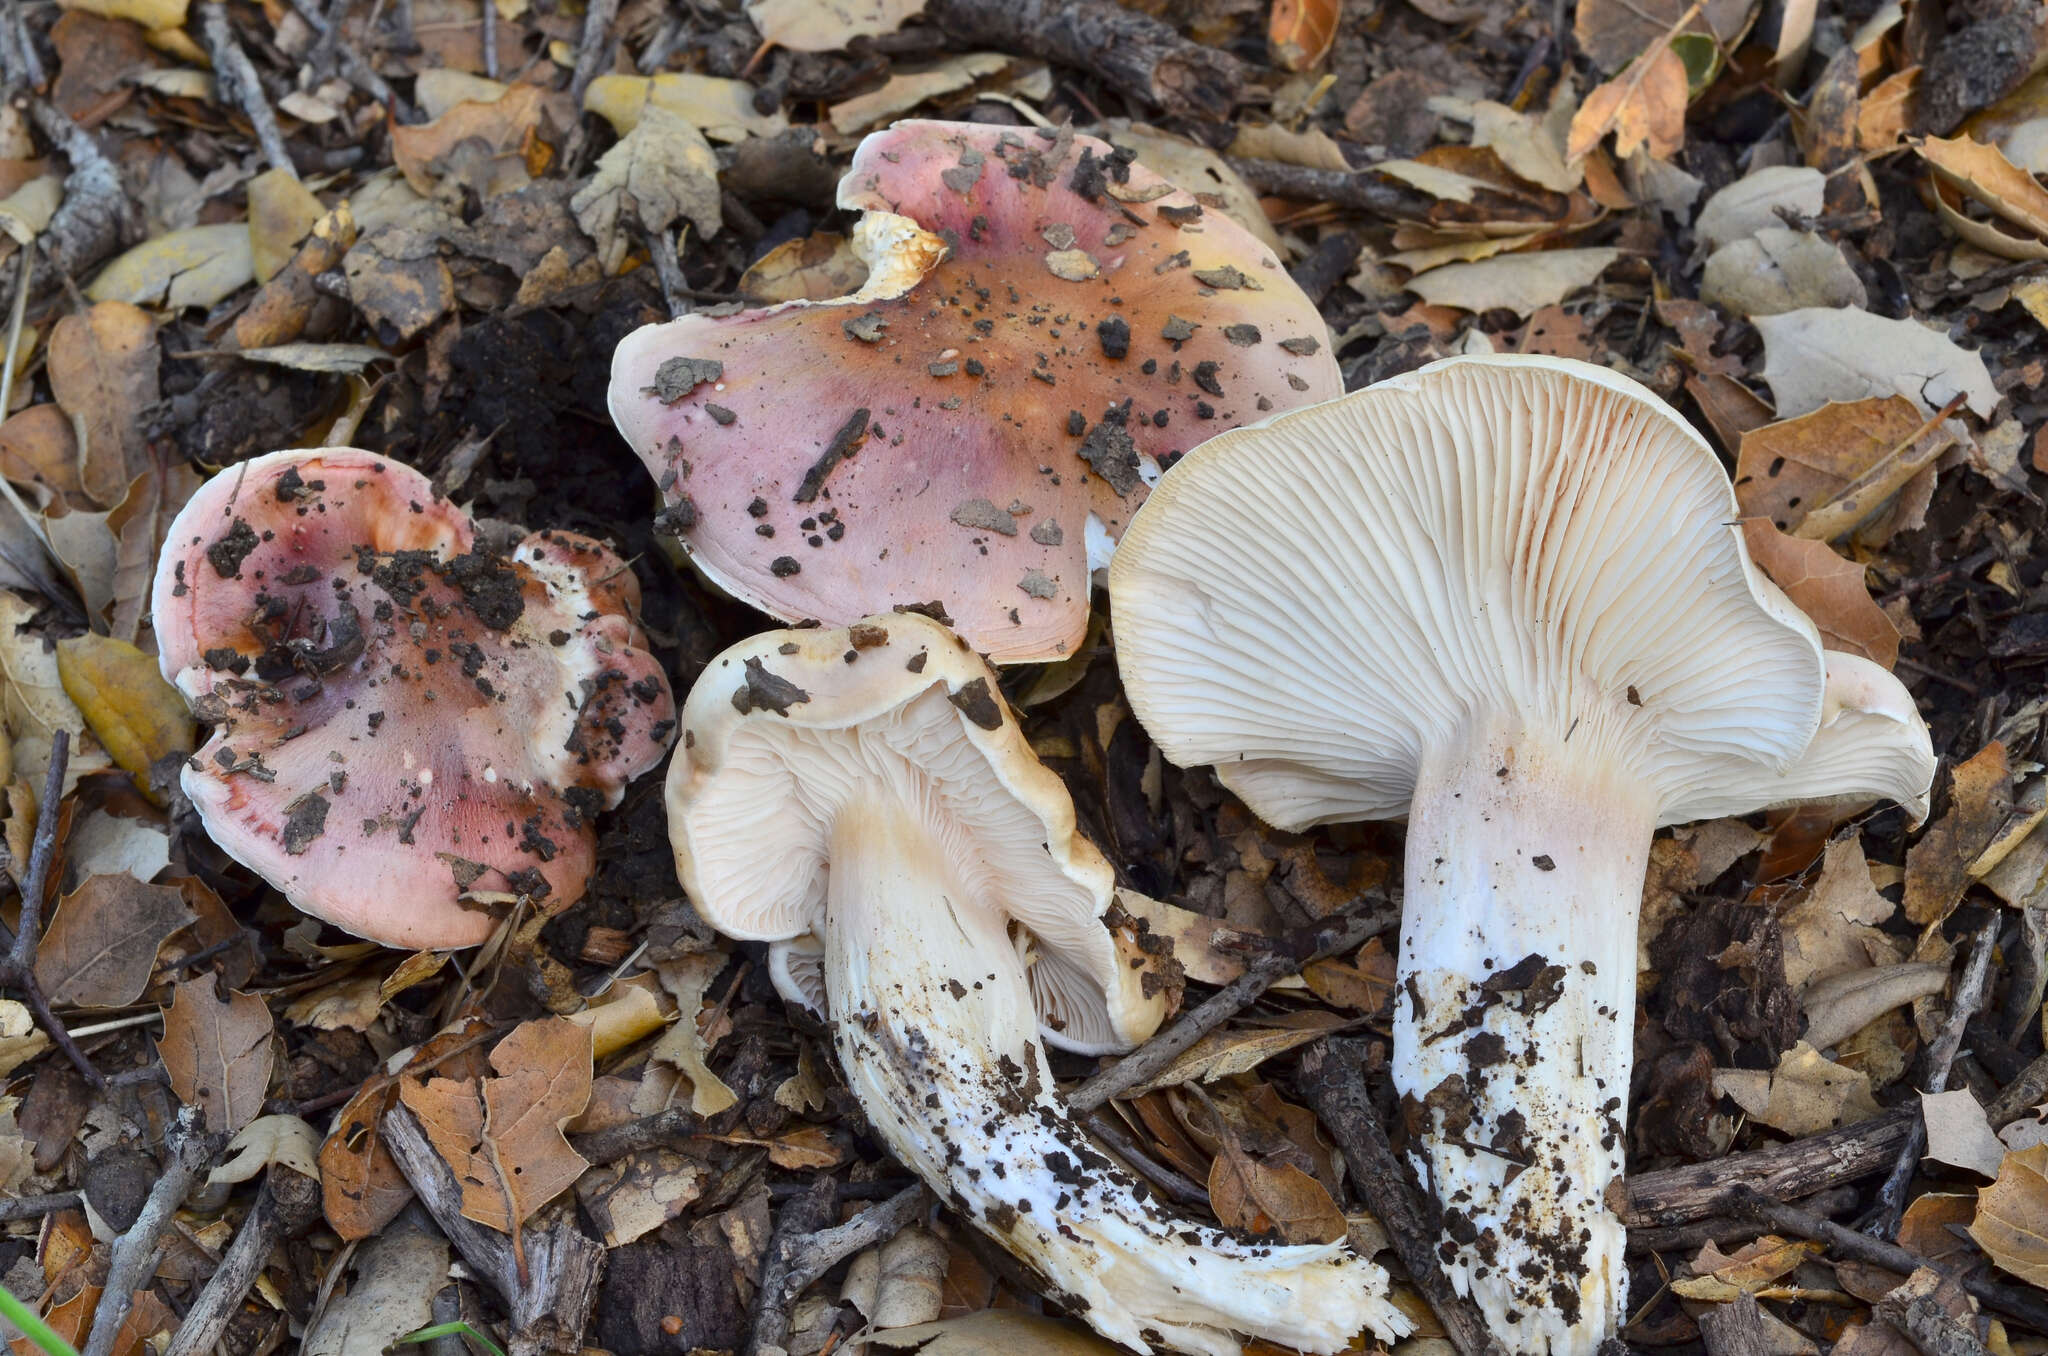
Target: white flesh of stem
[
  {"x": 1514, "y": 1023},
  {"x": 935, "y": 1027}
]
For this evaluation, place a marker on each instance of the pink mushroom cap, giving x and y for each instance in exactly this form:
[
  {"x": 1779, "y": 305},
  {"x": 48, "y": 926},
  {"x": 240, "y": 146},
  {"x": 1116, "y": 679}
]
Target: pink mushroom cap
[
  {"x": 1044, "y": 325},
  {"x": 402, "y": 722}
]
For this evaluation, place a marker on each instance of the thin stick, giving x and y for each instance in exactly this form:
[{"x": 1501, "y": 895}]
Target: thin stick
[
  {"x": 2030, "y": 1308},
  {"x": 1337, "y": 935},
  {"x": 597, "y": 25},
  {"x": 35, "y": 1207},
  {"x": 136, "y": 1251},
  {"x": 491, "y": 39},
  {"x": 238, "y": 80},
  {"x": 801, "y": 1218},
  {"x": 18, "y": 967},
  {"x": 1698, "y": 1190},
  {"x": 222, "y": 1297},
  {"x": 1181, "y": 1189},
  {"x": 1941, "y": 1057},
  {"x": 1333, "y": 1076},
  {"x": 2021, "y": 1094},
  {"x": 818, "y": 1254}
]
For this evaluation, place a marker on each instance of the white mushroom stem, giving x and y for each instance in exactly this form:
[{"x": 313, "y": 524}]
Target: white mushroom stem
[
  {"x": 1514, "y": 1023},
  {"x": 935, "y": 1027}
]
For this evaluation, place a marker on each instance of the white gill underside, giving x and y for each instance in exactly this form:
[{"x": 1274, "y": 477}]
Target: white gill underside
[
  {"x": 934, "y": 1025},
  {"x": 1514, "y": 1027}
]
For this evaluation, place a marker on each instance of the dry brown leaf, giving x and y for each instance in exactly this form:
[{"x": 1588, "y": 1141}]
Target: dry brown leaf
[
  {"x": 2012, "y": 1216},
  {"x": 101, "y": 945},
  {"x": 1524, "y": 283},
  {"x": 683, "y": 1046},
  {"x": 1930, "y": 1226},
  {"x": 1824, "y": 353},
  {"x": 361, "y": 1186},
  {"x": 1014, "y": 1331},
  {"x": 103, "y": 371},
  {"x": 1720, "y": 1277},
  {"x": 1836, "y": 465},
  {"x": 816, "y": 267},
  {"x": 503, "y": 1135},
  {"x": 482, "y": 148},
  {"x": 1842, "y": 1005},
  {"x": 1272, "y": 1198},
  {"x": 148, "y": 1317},
  {"x": 1826, "y": 588},
  {"x": 39, "y": 447},
  {"x": 1644, "y": 106},
  {"x": 1986, "y": 175},
  {"x": 1804, "y": 1095},
  {"x": 1223, "y": 1053},
  {"x": 1363, "y": 984},
  {"x": 1299, "y": 32},
  {"x": 639, "y": 1193},
  {"x": 1938, "y": 866},
  {"x": 1832, "y": 928},
  {"x": 1959, "y": 1133},
  {"x": 1884, "y": 113},
  {"x": 218, "y": 1052},
  {"x": 1612, "y": 31}
]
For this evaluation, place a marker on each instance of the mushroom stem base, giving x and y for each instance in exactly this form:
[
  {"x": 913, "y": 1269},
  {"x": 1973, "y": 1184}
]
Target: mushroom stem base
[
  {"x": 935, "y": 1027},
  {"x": 1514, "y": 1027}
]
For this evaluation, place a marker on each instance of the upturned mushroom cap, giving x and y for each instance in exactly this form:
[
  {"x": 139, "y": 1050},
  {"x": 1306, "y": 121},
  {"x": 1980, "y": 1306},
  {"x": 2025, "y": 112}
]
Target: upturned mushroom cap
[
  {"x": 1044, "y": 323},
  {"x": 400, "y": 720},
  {"x": 1314, "y": 603},
  {"x": 786, "y": 729}
]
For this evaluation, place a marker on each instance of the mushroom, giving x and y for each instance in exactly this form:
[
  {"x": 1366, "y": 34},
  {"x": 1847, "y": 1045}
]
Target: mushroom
[
  {"x": 870, "y": 789},
  {"x": 1506, "y": 598},
  {"x": 1044, "y": 324},
  {"x": 408, "y": 728}
]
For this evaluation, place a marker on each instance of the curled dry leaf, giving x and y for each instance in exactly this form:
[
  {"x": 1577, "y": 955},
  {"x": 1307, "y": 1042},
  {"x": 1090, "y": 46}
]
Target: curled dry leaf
[
  {"x": 1272, "y": 1198},
  {"x": 1828, "y": 471},
  {"x": 502, "y": 1135},
  {"x": 1299, "y": 32},
  {"x": 2012, "y": 1216},
  {"x": 217, "y": 1052},
  {"x": 1804, "y": 1095},
  {"x": 661, "y": 172},
  {"x": 1721, "y": 1277},
  {"x": 816, "y": 267},
  {"x": 1842, "y": 1005},
  {"x": 683, "y": 1046},
  {"x": 1826, "y": 588},
  {"x": 1938, "y": 866},
  {"x": 1985, "y": 174},
  {"x": 1232, "y": 1051},
  {"x": 101, "y": 946}
]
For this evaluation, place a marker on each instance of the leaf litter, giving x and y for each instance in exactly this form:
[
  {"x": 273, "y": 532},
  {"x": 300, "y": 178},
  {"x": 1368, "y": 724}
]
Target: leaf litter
[{"x": 1801, "y": 233}]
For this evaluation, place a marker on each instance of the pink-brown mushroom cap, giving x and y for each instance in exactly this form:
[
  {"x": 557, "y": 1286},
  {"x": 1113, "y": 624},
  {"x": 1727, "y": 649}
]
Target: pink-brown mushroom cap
[
  {"x": 400, "y": 719},
  {"x": 890, "y": 470}
]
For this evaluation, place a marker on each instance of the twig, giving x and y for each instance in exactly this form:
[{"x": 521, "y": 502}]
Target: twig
[
  {"x": 1927, "y": 1326},
  {"x": 1333, "y": 1076},
  {"x": 18, "y": 966},
  {"x": 2029, "y": 1308},
  {"x": 1180, "y": 1188},
  {"x": 96, "y": 216},
  {"x": 818, "y": 1254},
  {"x": 1723, "y": 1230},
  {"x": 801, "y": 1218},
  {"x": 136, "y": 1251},
  {"x": 1338, "y": 934},
  {"x": 236, "y": 75},
  {"x": 597, "y": 28},
  {"x": 491, "y": 39},
  {"x": 357, "y": 71},
  {"x": 550, "y": 1311},
  {"x": 239, "y": 1265},
  {"x": 35, "y": 1207},
  {"x": 1699, "y": 1190},
  {"x": 1941, "y": 1057},
  {"x": 1137, "y": 55},
  {"x": 1358, "y": 189},
  {"x": 600, "y": 1147},
  {"x": 2020, "y": 1095}
]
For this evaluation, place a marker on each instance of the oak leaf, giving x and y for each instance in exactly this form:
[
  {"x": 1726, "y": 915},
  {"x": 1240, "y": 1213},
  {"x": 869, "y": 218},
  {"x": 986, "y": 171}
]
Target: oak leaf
[
  {"x": 218, "y": 1053},
  {"x": 101, "y": 945},
  {"x": 1938, "y": 866},
  {"x": 2012, "y": 1216},
  {"x": 1826, "y": 588},
  {"x": 503, "y": 1135},
  {"x": 1644, "y": 107}
]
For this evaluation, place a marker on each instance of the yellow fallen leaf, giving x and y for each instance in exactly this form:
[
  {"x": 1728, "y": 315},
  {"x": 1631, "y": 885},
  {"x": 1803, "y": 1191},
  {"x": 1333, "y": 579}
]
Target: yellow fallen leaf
[
  {"x": 2012, "y": 1216},
  {"x": 198, "y": 266},
  {"x": 282, "y": 212},
  {"x": 722, "y": 110},
  {"x": 131, "y": 709},
  {"x": 148, "y": 13},
  {"x": 1985, "y": 174}
]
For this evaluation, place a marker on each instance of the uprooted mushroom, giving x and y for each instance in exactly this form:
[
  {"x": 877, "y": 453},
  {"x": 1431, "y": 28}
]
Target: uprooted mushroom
[
  {"x": 869, "y": 788},
  {"x": 1504, "y": 598},
  {"x": 1045, "y": 323},
  {"x": 410, "y": 731}
]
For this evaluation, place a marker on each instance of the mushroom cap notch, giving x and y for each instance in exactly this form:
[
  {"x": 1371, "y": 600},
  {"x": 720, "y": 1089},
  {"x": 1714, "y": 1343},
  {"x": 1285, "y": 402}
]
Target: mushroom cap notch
[
  {"x": 787, "y": 730},
  {"x": 406, "y": 727},
  {"x": 1315, "y": 603},
  {"x": 1045, "y": 323}
]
